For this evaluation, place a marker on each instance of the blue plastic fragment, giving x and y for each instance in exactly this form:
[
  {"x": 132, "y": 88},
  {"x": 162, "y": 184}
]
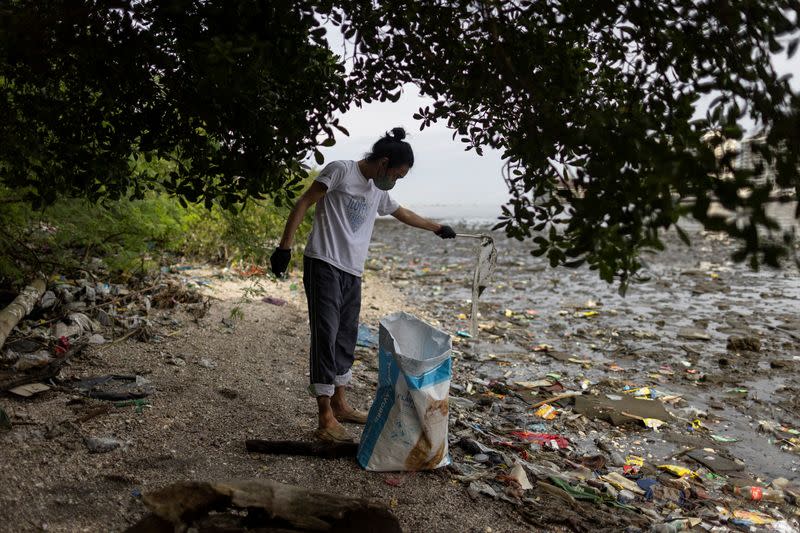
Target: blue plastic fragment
[
  {"x": 647, "y": 484},
  {"x": 367, "y": 337}
]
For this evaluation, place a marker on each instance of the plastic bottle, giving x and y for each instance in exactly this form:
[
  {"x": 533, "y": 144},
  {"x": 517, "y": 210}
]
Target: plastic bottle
[
  {"x": 672, "y": 527},
  {"x": 758, "y": 494}
]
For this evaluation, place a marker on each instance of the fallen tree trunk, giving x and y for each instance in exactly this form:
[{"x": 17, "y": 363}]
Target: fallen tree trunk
[
  {"x": 269, "y": 505},
  {"x": 21, "y": 306},
  {"x": 332, "y": 450}
]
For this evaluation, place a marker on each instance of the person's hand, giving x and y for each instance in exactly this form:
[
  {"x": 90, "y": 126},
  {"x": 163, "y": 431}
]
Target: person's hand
[
  {"x": 446, "y": 232},
  {"x": 279, "y": 260}
]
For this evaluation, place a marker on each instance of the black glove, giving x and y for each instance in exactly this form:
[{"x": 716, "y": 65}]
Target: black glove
[
  {"x": 446, "y": 232},
  {"x": 279, "y": 260}
]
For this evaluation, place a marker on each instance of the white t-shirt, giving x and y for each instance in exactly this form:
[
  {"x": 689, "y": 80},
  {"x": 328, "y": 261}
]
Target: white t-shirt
[{"x": 345, "y": 217}]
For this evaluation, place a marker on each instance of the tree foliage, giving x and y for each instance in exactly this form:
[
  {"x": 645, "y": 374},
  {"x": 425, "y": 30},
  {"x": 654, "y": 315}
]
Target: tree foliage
[
  {"x": 233, "y": 93},
  {"x": 592, "y": 104}
]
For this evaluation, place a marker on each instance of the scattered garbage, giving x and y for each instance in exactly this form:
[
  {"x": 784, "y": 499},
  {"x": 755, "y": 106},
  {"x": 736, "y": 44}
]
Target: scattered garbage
[
  {"x": 28, "y": 361},
  {"x": 626, "y": 416},
  {"x": 367, "y": 336},
  {"x": 74, "y": 313},
  {"x": 30, "y": 389}
]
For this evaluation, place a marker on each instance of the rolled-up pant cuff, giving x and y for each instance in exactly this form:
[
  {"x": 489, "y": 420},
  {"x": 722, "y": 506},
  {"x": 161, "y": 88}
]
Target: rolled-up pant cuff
[
  {"x": 321, "y": 389},
  {"x": 344, "y": 379},
  {"x": 326, "y": 389}
]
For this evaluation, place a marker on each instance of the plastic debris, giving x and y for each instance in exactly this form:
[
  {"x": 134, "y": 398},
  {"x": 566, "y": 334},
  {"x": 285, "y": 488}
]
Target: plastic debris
[
  {"x": 547, "y": 411},
  {"x": 544, "y": 439},
  {"x": 26, "y": 391},
  {"x": 367, "y": 336},
  {"x": 677, "y": 470},
  {"x": 519, "y": 475}
]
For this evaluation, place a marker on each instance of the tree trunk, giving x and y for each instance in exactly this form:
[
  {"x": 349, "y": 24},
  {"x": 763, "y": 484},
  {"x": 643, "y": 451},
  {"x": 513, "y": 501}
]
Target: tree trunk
[
  {"x": 269, "y": 505},
  {"x": 21, "y": 306}
]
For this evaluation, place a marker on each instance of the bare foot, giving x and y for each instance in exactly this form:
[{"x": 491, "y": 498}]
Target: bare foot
[
  {"x": 329, "y": 421},
  {"x": 327, "y": 416},
  {"x": 339, "y": 403}
]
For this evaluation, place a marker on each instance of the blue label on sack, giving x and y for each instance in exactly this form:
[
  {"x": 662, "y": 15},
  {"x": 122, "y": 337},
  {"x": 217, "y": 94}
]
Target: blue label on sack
[
  {"x": 381, "y": 407},
  {"x": 431, "y": 377}
]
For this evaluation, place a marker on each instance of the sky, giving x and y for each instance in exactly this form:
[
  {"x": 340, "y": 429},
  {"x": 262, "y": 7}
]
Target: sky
[{"x": 443, "y": 173}]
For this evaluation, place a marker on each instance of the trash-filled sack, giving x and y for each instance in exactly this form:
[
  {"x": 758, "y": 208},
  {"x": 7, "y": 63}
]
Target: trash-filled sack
[{"x": 407, "y": 424}]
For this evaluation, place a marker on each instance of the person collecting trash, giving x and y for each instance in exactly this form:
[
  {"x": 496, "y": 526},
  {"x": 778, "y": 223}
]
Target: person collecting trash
[{"x": 349, "y": 196}]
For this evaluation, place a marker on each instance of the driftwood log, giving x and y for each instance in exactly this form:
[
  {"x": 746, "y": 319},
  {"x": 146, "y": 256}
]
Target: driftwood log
[
  {"x": 293, "y": 447},
  {"x": 270, "y": 506},
  {"x": 19, "y": 308}
]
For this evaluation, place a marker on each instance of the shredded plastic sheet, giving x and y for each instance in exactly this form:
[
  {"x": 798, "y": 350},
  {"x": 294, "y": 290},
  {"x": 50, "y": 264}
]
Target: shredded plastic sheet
[{"x": 484, "y": 268}]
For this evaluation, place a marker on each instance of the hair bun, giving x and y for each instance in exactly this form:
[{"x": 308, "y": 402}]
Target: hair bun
[{"x": 398, "y": 134}]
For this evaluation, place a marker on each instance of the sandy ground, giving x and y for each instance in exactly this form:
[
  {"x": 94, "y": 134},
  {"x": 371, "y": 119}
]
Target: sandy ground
[{"x": 198, "y": 420}]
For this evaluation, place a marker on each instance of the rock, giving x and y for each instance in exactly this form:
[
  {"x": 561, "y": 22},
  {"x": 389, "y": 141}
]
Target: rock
[
  {"x": 101, "y": 444},
  {"x": 177, "y": 361},
  {"x": 207, "y": 363},
  {"x": 694, "y": 334},
  {"x": 744, "y": 344},
  {"x": 616, "y": 459},
  {"x": 228, "y": 393}
]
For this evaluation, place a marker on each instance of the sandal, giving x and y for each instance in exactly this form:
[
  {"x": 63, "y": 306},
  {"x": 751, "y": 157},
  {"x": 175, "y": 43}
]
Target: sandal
[
  {"x": 355, "y": 416},
  {"x": 334, "y": 435}
]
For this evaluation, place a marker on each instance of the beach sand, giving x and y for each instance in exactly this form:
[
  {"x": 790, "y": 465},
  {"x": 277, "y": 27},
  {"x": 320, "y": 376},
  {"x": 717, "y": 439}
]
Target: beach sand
[{"x": 253, "y": 385}]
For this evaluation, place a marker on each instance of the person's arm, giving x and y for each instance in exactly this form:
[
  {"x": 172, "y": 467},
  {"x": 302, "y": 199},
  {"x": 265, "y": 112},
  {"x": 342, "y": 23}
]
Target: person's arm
[
  {"x": 407, "y": 216},
  {"x": 279, "y": 260},
  {"x": 309, "y": 198}
]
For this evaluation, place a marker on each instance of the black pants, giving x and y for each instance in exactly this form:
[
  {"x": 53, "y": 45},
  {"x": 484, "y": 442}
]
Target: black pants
[{"x": 334, "y": 303}]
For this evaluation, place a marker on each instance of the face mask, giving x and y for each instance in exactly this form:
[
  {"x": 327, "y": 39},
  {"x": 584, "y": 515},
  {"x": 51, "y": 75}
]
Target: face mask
[{"x": 384, "y": 182}]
